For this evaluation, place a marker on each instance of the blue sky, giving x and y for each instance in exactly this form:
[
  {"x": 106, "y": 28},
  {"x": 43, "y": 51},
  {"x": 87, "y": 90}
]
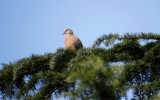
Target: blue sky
[{"x": 35, "y": 26}]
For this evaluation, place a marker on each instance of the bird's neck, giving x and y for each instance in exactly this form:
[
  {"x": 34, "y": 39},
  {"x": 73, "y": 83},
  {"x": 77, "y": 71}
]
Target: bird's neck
[{"x": 71, "y": 33}]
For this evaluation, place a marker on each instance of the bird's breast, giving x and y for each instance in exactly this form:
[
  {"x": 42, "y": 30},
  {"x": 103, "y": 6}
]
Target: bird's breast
[{"x": 69, "y": 42}]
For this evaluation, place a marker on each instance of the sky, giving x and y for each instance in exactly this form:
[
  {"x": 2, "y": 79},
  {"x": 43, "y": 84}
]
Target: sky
[{"x": 36, "y": 26}]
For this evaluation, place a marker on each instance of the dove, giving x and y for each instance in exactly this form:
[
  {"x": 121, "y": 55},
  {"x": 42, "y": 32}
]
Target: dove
[{"x": 71, "y": 41}]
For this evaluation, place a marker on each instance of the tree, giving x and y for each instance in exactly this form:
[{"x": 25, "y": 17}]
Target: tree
[
  {"x": 125, "y": 62},
  {"x": 94, "y": 79}
]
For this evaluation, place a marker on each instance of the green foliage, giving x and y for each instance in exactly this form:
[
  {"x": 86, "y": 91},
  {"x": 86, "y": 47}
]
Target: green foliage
[
  {"x": 93, "y": 80},
  {"x": 36, "y": 76},
  {"x": 156, "y": 97},
  {"x": 131, "y": 61}
]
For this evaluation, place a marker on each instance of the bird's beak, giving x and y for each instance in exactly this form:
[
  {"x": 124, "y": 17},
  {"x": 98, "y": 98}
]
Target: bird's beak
[{"x": 64, "y": 33}]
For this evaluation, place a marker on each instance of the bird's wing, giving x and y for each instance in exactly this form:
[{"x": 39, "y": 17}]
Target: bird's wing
[{"x": 78, "y": 43}]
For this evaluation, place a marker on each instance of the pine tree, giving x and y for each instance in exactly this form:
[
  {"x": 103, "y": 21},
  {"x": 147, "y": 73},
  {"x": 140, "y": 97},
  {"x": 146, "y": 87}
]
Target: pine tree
[{"x": 131, "y": 61}]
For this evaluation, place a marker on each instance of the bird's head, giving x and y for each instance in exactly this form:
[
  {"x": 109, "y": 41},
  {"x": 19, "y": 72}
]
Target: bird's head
[{"x": 68, "y": 31}]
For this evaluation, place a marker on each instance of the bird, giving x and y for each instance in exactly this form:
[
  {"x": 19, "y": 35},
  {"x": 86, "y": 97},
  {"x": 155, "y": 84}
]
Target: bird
[{"x": 71, "y": 41}]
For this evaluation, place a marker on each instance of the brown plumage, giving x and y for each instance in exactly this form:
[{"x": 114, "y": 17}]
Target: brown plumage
[{"x": 71, "y": 41}]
